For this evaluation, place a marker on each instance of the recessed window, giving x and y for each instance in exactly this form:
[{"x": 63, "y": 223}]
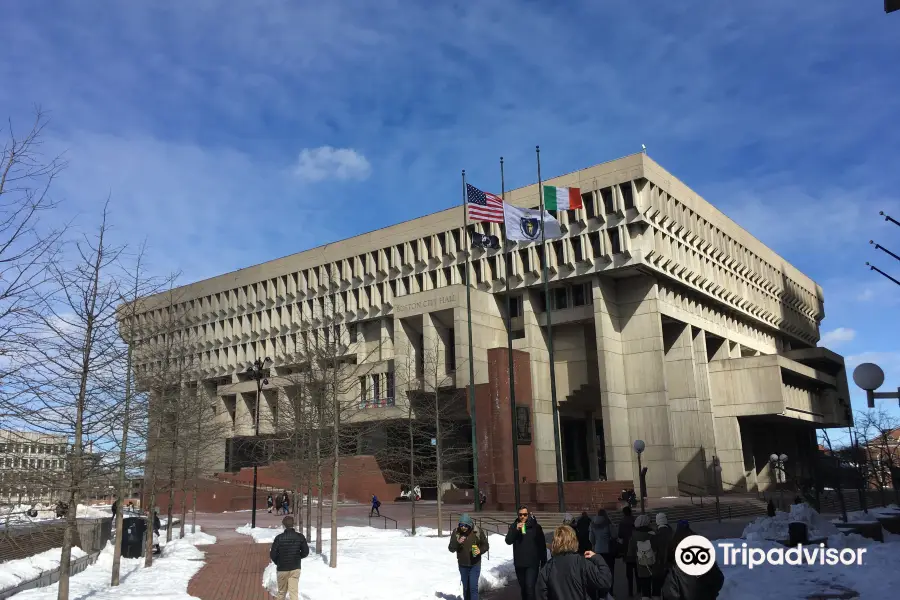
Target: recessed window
[
  {"x": 614, "y": 242},
  {"x": 627, "y": 195},
  {"x": 578, "y": 295},
  {"x": 560, "y": 298},
  {"x": 607, "y": 196}
]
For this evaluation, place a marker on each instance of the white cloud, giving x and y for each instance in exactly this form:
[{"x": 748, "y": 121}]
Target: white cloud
[
  {"x": 326, "y": 162},
  {"x": 888, "y": 361},
  {"x": 866, "y": 295},
  {"x": 837, "y": 336}
]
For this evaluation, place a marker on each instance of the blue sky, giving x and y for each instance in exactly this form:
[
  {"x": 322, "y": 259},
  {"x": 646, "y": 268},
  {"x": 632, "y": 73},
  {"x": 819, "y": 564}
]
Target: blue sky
[{"x": 230, "y": 133}]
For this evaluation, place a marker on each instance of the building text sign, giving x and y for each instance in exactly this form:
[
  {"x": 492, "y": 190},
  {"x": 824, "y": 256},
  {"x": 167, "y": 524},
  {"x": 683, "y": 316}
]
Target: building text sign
[{"x": 425, "y": 305}]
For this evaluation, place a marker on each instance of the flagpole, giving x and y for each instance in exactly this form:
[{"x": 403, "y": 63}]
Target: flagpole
[
  {"x": 547, "y": 313},
  {"x": 471, "y": 357},
  {"x": 514, "y": 422}
]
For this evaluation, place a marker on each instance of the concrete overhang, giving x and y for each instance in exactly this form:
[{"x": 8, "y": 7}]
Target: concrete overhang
[{"x": 778, "y": 385}]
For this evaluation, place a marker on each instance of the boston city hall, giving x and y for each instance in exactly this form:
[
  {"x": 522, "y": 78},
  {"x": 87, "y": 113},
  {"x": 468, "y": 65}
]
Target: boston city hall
[{"x": 670, "y": 324}]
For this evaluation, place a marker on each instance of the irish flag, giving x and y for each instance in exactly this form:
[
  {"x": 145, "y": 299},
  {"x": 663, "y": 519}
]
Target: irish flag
[{"x": 560, "y": 198}]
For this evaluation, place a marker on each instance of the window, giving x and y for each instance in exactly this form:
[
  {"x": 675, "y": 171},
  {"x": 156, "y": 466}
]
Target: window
[
  {"x": 2, "y": 447},
  {"x": 596, "y": 247},
  {"x": 352, "y": 331},
  {"x": 376, "y": 386},
  {"x": 614, "y": 242},
  {"x": 516, "y": 307},
  {"x": 578, "y": 294},
  {"x": 627, "y": 195},
  {"x": 576, "y": 249},
  {"x": 389, "y": 376},
  {"x": 560, "y": 298},
  {"x": 451, "y": 350},
  {"x": 587, "y": 199},
  {"x": 607, "y": 196},
  {"x": 363, "y": 389}
]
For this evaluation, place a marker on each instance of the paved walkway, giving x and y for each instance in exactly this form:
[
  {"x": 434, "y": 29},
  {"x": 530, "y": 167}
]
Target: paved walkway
[{"x": 234, "y": 564}]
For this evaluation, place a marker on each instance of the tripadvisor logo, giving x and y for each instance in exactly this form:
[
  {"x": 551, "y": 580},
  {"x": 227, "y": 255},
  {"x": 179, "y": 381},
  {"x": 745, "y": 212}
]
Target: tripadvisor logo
[{"x": 696, "y": 555}]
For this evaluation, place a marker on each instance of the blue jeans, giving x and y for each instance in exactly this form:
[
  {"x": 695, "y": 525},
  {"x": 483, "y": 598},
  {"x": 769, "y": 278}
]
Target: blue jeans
[{"x": 470, "y": 577}]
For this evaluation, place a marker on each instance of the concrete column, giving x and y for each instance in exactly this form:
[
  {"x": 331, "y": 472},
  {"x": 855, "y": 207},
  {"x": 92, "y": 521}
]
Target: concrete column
[
  {"x": 730, "y": 448},
  {"x": 707, "y": 426},
  {"x": 684, "y": 407},
  {"x": 613, "y": 395},
  {"x": 593, "y": 466},
  {"x": 649, "y": 417},
  {"x": 535, "y": 344}
]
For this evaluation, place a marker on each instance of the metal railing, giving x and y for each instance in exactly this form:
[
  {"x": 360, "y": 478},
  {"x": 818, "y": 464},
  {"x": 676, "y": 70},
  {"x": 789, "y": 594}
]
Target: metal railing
[
  {"x": 386, "y": 519},
  {"x": 48, "y": 578}
]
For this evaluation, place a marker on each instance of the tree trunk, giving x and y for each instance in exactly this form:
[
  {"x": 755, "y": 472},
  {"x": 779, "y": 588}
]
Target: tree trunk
[
  {"x": 151, "y": 500},
  {"x": 309, "y": 506},
  {"x": 319, "y": 493},
  {"x": 439, "y": 478},
  {"x": 335, "y": 470},
  {"x": 412, "y": 480},
  {"x": 183, "y": 510},
  {"x": 123, "y": 456}
]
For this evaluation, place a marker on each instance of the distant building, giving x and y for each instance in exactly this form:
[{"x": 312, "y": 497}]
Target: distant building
[{"x": 32, "y": 466}]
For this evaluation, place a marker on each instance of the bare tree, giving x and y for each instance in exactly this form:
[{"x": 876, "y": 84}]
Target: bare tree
[
  {"x": 71, "y": 367},
  {"x": 878, "y": 448},
  {"x": 27, "y": 248},
  {"x": 133, "y": 404}
]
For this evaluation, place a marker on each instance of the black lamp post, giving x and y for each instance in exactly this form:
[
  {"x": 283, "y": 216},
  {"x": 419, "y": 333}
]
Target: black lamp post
[
  {"x": 639, "y": 447},
  {"x": 257, "y": 372}
]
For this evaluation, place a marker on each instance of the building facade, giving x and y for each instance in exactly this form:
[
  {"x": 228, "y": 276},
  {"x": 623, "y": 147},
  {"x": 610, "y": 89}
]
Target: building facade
[
  {"x": 670, "y": 324},
  {"x": 32, "y": 467}
]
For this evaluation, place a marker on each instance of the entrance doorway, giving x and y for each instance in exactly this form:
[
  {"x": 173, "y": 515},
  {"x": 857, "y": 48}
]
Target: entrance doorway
[{"x": 574, "y": 434}]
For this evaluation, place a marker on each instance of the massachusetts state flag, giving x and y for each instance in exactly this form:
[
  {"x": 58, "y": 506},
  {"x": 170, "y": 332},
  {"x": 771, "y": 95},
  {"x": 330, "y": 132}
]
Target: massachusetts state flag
[{"x": 481, "y": 206}]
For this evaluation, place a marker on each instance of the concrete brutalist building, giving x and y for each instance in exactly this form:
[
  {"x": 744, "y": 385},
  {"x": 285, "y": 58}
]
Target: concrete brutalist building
[{"x": 671, "y": 324}]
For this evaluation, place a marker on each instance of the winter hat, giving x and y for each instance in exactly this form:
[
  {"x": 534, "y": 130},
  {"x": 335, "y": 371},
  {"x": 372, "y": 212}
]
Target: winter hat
[
  {"x": 683, "y": 524},
  {"x": 662, "y": 520},
  {"x": 466, "y": 520},
  {"x": 642, "y": 521}
]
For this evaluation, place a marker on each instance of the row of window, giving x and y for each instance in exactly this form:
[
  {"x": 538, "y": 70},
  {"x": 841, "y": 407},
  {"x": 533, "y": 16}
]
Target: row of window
[
  {"x": 33, "y": 448},
  {"x": 375, "y": 387},
  {"x": 32, "y": 463}
]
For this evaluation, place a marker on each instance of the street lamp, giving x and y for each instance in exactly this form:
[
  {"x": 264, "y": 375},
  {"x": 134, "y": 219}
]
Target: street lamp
[
  {"x": 717, "y": 469},
  {"x": 777, "y": 461},
  {"x": 869, "y": 377},
  {"x": 257, "y": 372},
  {"x": 639, "y": 447}
]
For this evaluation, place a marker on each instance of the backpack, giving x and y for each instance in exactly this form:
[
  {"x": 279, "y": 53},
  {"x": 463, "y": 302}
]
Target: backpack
[{"x": 646, "y": 557}]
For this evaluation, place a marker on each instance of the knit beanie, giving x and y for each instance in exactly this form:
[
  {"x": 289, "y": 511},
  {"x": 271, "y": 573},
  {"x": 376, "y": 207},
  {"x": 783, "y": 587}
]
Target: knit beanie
[{"x": 662, "y": 520}]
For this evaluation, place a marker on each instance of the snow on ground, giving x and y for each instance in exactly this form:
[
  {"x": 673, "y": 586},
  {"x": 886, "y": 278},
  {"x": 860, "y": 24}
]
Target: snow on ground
[
  {"x": 776, "y": 528},
  {"x": 167, "y": 579},
  {"x": 877, "y": 578},
  {"x": 859, "y": 516},
  {"x": 47, "y": 512},
  {"x": 266, "y": 535},
  {"x": 376, "y": 564},
  {"x": 14, "y": 572}
]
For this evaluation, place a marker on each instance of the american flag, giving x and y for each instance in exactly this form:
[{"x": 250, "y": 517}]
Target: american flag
[{"x": 483, "y": 206}]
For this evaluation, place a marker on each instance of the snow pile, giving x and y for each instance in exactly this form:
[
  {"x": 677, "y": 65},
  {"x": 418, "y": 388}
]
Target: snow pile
[
  {"x": 859, "y": 516},
  {"x": 14, "y": 572},
  {"x": 776, "y": 528},
  {"x": 389, "y": 564},
  {"x": 47, "y": 512},
  {"x": 168, "y": 577},
  {"x": 877, "y": 578},
  {"x": 266, "y": 535}
]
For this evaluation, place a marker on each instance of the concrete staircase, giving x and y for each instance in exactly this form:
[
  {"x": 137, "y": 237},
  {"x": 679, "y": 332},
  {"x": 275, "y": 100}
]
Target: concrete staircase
[{"x": 729, "y": 508}]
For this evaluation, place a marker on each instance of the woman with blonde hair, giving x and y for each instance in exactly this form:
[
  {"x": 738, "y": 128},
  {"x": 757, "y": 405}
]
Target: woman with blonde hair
[{"x": 570, "y": 575}]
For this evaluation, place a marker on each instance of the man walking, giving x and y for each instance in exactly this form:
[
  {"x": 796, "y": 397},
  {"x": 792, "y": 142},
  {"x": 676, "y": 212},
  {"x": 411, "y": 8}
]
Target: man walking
[
  {"x": 529, "y": 550},
  {"x": 288, "y": 549}
]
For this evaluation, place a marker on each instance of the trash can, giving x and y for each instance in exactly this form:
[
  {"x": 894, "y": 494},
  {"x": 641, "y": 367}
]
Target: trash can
[{"x": 132, "y": 539}]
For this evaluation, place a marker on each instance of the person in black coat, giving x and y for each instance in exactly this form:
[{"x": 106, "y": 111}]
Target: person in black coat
[
  {"x": 583, "y": 531},
  {"x": 529, "y": 550},
  {"x": 288, "y": 550},
  {"x": 678, "y": 585},
  {"x": 570, "y": 575}
]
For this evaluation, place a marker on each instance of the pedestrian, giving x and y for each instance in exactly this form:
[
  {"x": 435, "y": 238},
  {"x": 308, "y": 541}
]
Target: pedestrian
[
  {"x": 288, "y": 550},
  {"x": 376, "y": 504},
  {"x": 569, "y": 575},
  {"x": 641, "y": 556},
  {"x": 270, "y": 502},
  {"x": 583, "y": 531},
  {"x": 469, "y": 543},
  {"x": 285, "y": 503},
  {"x": 603, "y": 542},
  {"x": 626, "y": 528},
  {"x": 678, "y": 585},
  {"x": 115, "y": 507},
  {"x": 529, "y": 550},
  {"x": 662, "y": 542}
]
